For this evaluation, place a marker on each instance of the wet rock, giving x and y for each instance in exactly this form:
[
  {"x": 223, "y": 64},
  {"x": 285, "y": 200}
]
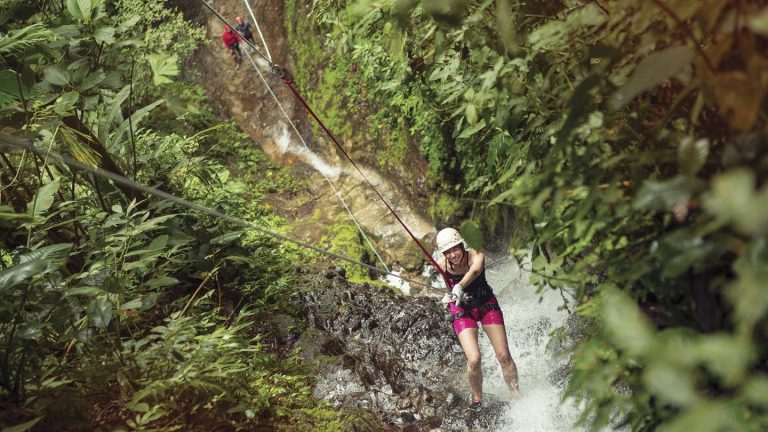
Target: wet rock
[
  {"x": 398, "y": 357},
  {"x": 285, "y": 327}
]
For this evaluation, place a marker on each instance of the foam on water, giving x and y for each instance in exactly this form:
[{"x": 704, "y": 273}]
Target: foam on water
[
  {"x": 287, "y": 145},
  {"x": 529, "y": 318}
]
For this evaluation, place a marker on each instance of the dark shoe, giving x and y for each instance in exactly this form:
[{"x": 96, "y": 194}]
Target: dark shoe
[{"x": 475, "y": 406}]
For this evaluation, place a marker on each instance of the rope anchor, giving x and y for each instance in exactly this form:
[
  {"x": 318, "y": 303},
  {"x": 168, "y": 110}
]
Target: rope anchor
[{"x": 279, "y": 71}]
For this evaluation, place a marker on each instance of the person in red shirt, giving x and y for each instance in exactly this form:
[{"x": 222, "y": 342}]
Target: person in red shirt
[{"x": 232, "y": 42}]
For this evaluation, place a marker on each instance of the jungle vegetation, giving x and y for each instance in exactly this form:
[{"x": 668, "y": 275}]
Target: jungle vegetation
[
  {"x": 120, "y": 311},
  {"x": 623, "y": 142}
]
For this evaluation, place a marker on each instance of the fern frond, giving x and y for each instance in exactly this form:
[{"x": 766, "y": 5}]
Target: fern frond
[{"x": 23, "y": 39}]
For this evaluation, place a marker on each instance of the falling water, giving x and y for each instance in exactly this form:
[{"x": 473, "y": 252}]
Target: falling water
[
  {"x": 287, "y": 145},
  {"x": 529, "y": 318}
]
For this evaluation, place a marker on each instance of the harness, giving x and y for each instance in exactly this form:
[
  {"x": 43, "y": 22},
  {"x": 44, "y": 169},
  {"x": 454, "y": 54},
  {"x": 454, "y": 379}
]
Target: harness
[
  {"x": 481, "y": 310},
  {"x": 480, "y": 292}
]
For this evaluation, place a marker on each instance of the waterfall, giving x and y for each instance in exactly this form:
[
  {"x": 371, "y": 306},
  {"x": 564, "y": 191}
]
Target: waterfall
[{"x": 529, "y": 318}]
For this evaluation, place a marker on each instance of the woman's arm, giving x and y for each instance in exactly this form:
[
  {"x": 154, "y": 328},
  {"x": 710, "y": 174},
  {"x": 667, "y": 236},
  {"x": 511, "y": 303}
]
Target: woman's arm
[{"x": 476, "y": 264}]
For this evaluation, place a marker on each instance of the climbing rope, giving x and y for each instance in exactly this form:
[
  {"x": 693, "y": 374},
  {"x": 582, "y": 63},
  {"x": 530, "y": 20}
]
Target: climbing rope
[
  {"x": 283, "y": 76},
  {"x": 274, "y": 67},
  {"x": 27, "y": 144},
  {"x": 301, "y": 138},
  {"x": 256, "y": 23}
]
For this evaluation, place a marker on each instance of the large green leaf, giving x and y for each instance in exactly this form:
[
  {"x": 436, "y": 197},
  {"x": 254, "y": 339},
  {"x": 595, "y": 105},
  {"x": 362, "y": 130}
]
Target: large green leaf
[
  {"x": 9, "y": 87},
  {"x": 84, "y": 10},
  {"x": 56, "y": 254},
  {"x": 671, "y": 383},
  {"x": 100, "y": 312},
  {"x": 652, "y": 71},
  {"x": 56, "y": 75},
  {"x": 468, "y": 132},
  {"x": 43, "y": 199},
  {"x": 104, "y": 34},
  {"x": 472, "y": 233},
  {"x": 163, "y": 67},
  {"x": 733, "y": 199},
  {"x": 692, "y": 155},
  {"x": 625, "y": 323},
  {"x": 117, "y": 136},
  {"x": 92, "y": 80},
  {"x": 18, "y": 41},
  {"x": 65, "y": 103},
  {"x": 21, "y": 272}
]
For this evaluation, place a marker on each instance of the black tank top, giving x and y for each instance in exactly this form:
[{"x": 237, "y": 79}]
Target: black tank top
[{"x": 479, "y": 289}]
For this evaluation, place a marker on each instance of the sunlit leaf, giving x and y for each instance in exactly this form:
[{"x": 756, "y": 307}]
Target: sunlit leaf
[
  {"x": 726, "y": 356},
  {"x": 43, "y": 199},
  {"x": 692, "y": 155},
  {"x": 756, "y": 390},
  {"x": 671, "y": 383},
  {"x": 734, "y": 199},
  {"x": 100, "y": 312},
  {"x": 471, "y": 130},
  {"x": 758, "y": 23},
  {"x": 163, "y": 68},
  {"x": 104, "y": 34},
  {"x": 56, "y": 254},
  {"x": 227, "y": 237},
  {"x": 626, "y": 324},
  {"x": 703, "y": 417},
  {"x": 162, "y": 282}
]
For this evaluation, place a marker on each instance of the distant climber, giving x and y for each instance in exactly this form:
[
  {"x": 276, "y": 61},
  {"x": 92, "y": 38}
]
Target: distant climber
[
  {"x": 232, "y": 42},
  {"x": 472, "y": 301},
  {"x": 244, "y": 27}
]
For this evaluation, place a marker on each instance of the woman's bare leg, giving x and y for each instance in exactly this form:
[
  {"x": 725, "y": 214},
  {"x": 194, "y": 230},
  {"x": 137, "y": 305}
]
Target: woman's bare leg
[
  {"x": 498, "y": 337},
  {"x": 468, "y": 341}
]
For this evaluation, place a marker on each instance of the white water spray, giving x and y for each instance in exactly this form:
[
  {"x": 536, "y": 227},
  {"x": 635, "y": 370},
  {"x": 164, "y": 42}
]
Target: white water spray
[
  {"x": 529, "y": 318},
  {"x": 287, "y": 145}
]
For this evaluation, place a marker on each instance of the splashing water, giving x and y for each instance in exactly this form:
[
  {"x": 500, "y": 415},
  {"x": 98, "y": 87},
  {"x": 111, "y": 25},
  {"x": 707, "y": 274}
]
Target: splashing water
[
  {"x": 529, "y": 318},
  {"x": 287, "y": 145}
]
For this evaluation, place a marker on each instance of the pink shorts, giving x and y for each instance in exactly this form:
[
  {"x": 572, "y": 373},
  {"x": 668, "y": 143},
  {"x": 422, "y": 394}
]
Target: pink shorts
[{"x": 472, "y": 316}]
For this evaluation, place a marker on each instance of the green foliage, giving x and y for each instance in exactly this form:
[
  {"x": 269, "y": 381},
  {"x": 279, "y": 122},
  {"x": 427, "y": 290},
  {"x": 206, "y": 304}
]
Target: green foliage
[
  {"x": 120, "y": 311},
  {"x": 444, "y": 209},
  {"x": 345, "y": 239},
  {"x": 629, "y": 138}
]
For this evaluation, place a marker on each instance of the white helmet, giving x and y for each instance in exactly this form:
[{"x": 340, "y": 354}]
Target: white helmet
[{"x": 448, "y": 238}]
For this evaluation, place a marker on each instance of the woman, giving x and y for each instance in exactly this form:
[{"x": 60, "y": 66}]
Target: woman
[{"x": 472, "y": 301}]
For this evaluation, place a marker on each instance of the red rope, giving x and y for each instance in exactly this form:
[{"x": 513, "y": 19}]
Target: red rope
[{"x": 432, "y": 261}]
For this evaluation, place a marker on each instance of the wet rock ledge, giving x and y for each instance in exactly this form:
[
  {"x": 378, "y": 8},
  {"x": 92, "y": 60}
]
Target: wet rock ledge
[{"x": 387, "y": 353}]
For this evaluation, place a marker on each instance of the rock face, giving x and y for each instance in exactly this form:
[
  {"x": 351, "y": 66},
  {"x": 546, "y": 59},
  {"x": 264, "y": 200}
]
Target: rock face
[
  {"x": 394, "y": 355},
  {"x": 241, "y": 95}
]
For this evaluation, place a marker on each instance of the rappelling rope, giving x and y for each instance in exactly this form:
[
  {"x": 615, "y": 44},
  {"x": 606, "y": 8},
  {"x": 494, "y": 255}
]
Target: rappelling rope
[
  {"x": 432, "y": 261},
  {"x": 280, "y": 72},
  {"x": 268, "y": 59},
  {"x": 256, "y": 23},
  {"x": 27, "y": 144},
  {"x": 338, "y": 194}
]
